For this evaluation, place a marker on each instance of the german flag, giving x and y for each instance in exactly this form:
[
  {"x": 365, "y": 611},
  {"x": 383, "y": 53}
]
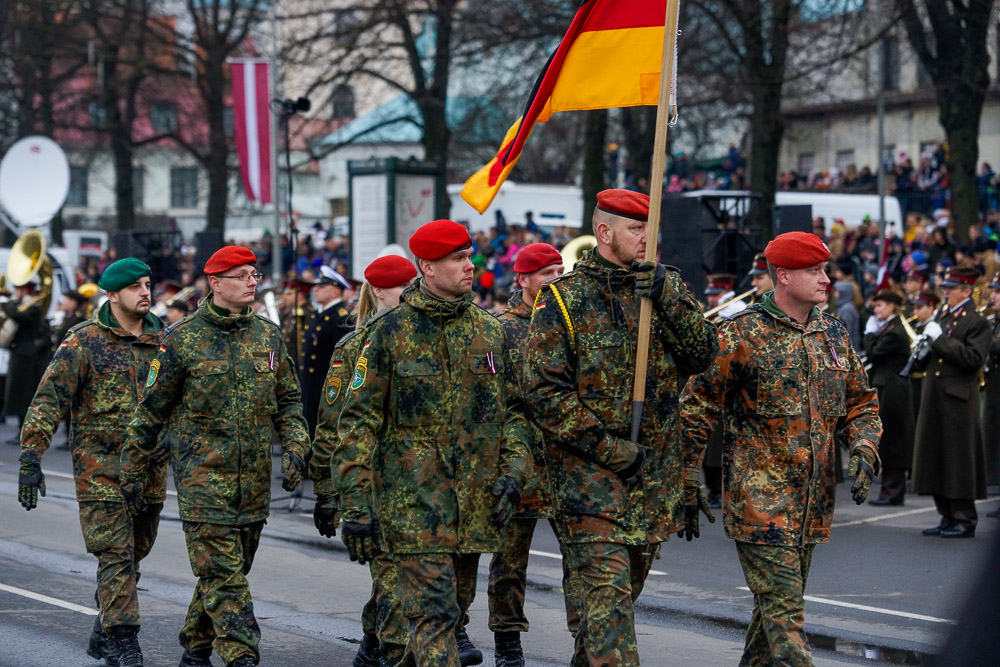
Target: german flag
[{"x": 610, "y": 57}]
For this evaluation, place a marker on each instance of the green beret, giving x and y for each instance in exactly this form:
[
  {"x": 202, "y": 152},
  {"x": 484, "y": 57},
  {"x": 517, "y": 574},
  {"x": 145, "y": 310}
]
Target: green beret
[{"x": 122, "y": 273}]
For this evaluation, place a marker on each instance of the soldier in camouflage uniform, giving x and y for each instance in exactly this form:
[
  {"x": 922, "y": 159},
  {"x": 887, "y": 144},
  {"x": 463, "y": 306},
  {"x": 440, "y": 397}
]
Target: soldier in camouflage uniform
[
  {"x": 615, "y": 500},
  {"x": 98, "y": 374},
  {"x": 535, "y": 264},
  {"x": 435, "y": 444},
  {"x": 223, "y": 379},
  {"x": 788, "y": 381},
  {"x": 384, "y": 629}
]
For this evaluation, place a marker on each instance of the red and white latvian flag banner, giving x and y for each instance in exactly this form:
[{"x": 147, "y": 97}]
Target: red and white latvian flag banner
[{"x": 252, "y": 116}]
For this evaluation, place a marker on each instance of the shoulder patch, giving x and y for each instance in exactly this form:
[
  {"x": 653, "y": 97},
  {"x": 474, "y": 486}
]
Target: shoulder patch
[
  {"x": 332, "y": 390},
  {"x": 154, "y": 370},
  {"x": 360, "y": 373}
]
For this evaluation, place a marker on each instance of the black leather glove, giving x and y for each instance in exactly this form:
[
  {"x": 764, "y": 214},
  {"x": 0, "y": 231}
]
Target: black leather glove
[
  {"x": 133, "y": 494},
  {"x": 650, "y": 277},
  {"x": 508, "y": 494},
  {"x": 30, "y": 482},
  {"x": 694, "y": 502},
  {"x": 634, "y": 469},
  {"x": 293, "y": 468},
  {"x": 360, "y": 540},
  {"x": 160, "y": 455},
  {"x": 862, "y": 467},
  {"x": 326, "y": 514}
]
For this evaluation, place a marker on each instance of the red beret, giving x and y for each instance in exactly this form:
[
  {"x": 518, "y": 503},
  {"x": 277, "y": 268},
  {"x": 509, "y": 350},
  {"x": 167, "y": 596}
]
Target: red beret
[
  {"x": 535, "y": 256},
  {"x": 439, "y": 238},
  {"x": 796, "y": 250},
  {"x": 228, "y": 257},
  {"x": 626, "y": 203},
  {"x": 390, "y": 271}
]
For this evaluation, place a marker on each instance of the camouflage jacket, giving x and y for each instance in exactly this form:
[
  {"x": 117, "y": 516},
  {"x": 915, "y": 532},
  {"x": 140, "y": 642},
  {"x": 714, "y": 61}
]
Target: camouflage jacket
[
  {"x": 432, "y": 418},
  {"x": 579, "y": 375},
  {"x": 536, "y": 501},
  {"x": 324, "y": 462},
  {"x": 222, "y": 381},
  {"x": 98, "y": 373},
  {"x": 787, "y": 389}
]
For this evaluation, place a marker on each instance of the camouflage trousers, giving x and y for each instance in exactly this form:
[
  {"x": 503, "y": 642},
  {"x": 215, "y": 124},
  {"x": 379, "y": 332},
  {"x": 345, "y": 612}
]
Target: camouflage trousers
[
  {"x": 609, "y": 579},
  {"x": 119, "y": 542},
  {"x": 508, "y": 578},
  {"x": 381, "y": 615},
  {"x": 220, "y": 615},
  {"x": 777, "y": 578},
  {"x": 436, "y": 591}
]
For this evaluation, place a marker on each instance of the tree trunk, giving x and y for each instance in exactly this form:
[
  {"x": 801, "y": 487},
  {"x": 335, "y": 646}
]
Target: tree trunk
[
  {"x": 766, "y": 129},
  {"x": 594, "y": 169},
  {"x": 960, "y": 115},
  {"x": 436, "y": 139},
  {"x": 121, "y": 139},
  {"x": 638, "y": 128},
  {"x": 218, "y": 149}
]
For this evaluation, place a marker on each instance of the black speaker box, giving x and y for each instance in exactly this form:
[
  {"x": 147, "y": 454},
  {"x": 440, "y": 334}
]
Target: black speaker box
[{"x": 206, "y": 243}]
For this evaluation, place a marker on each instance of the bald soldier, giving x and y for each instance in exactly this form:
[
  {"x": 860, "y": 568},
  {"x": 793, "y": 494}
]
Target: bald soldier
[
  {"x": 787, "y": 381},
  {"x": 615, "y": 500}
]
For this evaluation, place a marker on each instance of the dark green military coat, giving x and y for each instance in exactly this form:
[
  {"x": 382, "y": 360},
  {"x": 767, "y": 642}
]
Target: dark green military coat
[
  {"x": 432, "y": 419},
  {"x": 98, "y": 373},
  {"x": 888, "y": 351},
  {"x": 949, "y": 457},
  {"x": 223, "y": 381},
  {"x": 579, "y": 372}
]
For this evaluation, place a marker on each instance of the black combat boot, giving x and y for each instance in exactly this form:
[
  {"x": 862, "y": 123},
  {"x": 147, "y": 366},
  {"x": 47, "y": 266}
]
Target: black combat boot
[
  {"x": 508, "y": 649},
  {"x": 199, "y": 659},
  {"x": 369, "y": 654},
  {"x": 245, "y": 660},
  {"x": 126, "y": 641},
  {"x": 100, "y": 646},
  {"x": 468, "y": 654}
]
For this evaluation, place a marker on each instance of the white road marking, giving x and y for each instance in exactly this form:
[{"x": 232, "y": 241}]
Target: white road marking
[
  {"x": 882, "y": 517},
  {"x": 877, "y": 610},
  {"x": 65, "y": 475},
  {"x": 46, "y": 599},
  {"x": 549, "y": 554}
]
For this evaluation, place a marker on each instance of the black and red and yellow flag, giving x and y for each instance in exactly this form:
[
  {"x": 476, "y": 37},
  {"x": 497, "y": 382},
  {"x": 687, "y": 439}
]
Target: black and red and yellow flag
[{"x": 610, "y": 57}]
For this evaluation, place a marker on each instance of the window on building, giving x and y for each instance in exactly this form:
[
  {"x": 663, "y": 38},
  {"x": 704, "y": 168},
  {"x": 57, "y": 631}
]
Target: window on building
[
  {"x": 338, "y": 207},
  {"x": 890, "y": 63},
  {"x": 138, "y": 183},
  {"x": 78, "y": 186},
  {"x": 98, "y": 114},
  {"x": 889, "y": 155},
  {"x": 845, "y": 159},
  {"x": 184, "y": 187},
  {"x": 342, "y": 102},
  {"x": 807, "y": 163},
  {"x": 163, "y": 117}
]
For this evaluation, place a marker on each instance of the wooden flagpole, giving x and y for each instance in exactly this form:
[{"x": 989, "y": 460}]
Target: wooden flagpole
[{"x": 655, "y": 198}]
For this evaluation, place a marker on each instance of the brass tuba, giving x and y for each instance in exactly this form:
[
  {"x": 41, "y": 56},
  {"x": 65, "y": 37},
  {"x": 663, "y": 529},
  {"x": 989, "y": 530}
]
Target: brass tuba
[
  {"x": 573, "y": 251},
  {"x": 28, "y": 259}
]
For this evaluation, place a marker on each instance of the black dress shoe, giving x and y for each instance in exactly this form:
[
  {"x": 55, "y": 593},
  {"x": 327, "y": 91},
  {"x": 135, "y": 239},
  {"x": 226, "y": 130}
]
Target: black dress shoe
[
  {"x": 884, "y": 502},
  {"x": 958, "y": 531},
  {"x": 936, "y": 530}
]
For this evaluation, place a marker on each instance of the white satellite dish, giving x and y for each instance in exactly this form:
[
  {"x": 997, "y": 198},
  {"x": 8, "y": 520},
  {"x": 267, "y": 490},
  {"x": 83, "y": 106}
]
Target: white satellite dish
[{"x": 34, "y": 180}]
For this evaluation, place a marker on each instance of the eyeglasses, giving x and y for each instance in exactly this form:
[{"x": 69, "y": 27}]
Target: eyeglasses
[{"x": 245, "y": 277}]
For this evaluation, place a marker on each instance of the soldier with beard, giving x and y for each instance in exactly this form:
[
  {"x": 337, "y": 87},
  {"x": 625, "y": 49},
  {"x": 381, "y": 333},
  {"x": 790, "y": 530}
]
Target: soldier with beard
[{"x": 98, "y": 374}]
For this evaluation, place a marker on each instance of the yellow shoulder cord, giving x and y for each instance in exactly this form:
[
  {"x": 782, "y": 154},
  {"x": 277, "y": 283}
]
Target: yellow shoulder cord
[{"x": 565, "y": 313}]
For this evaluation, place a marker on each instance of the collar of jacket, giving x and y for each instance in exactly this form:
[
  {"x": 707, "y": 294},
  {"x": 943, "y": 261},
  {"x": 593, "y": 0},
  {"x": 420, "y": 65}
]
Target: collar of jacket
[
  {"x": 516, "y": 305},
  {"x": 767, "y": 303},
  {"x": 151, "y": 324},
  {"x": 420, "y": 297},
  {"x": 223, "y": 318},
  {"x": 594, "y": 264}
]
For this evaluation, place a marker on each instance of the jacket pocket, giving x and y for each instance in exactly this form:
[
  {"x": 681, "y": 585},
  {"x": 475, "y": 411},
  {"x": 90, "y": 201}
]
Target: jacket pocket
[
  {"x": 603, "y": 378},
  {"x": 111, "y": 381},
  {"x": 207, "y": 388},
  {"x": 265, "y": 386},
  {"x": 486, "y": 385},
  {"x": 959, "y": 392},
  {"x": 420, "y": 385},
  {"x": 780, "y": 390},
  {"x": 834, "y": 387}
]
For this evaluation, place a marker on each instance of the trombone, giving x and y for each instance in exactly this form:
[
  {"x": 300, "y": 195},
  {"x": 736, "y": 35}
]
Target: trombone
[{"x": 722, "y": 306}]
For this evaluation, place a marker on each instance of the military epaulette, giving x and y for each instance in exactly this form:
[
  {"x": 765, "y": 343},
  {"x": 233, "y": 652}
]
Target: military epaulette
[
  {"x": 268, "y": 320},
  {"x": 81, "y": 325},
  {"x": 561, "y": 304},
  {"x": 349, "y": 335},
  {"x": 183, "y": 320},
  {"x": 749, "y": 310}
]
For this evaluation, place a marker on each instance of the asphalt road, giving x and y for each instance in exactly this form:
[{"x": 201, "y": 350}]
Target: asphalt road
[{"x": 879, "y": 591}]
